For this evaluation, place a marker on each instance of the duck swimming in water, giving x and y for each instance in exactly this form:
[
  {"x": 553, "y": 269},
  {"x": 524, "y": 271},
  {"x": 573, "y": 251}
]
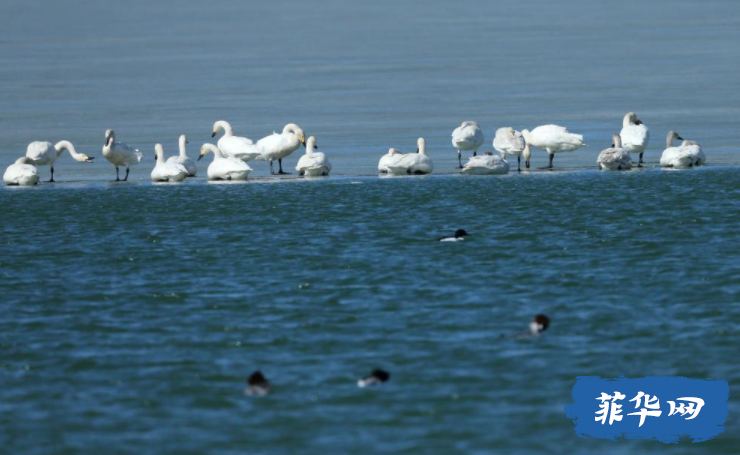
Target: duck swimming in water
[
  {"x": 459, "y": 236},
  {"x": 257, "y": 385},
  {"x": 377, "y": 377}
]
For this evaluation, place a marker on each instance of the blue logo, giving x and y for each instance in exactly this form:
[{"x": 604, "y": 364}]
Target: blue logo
[{"x": 659, "y": 408}]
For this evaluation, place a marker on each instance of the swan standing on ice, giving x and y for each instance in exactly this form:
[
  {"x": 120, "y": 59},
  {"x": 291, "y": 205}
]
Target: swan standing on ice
[
  {"x": 509, "y": 141},
  {"x": 279, "y": 145},
  {"x": 487, "y": 164},
  {"x": 183, "y": 158},
  {"x": 232, "y": 146},
  {"x": 223, "y": 168},
  {"x": 688, "y": 154},
  {"x": 167, "y": 171},
  {"x": 389, "y": 158},
  {"x": 313, "y": 164},
  {"x": 413, "y": 163},
  {"x": 21, "y": 173},
  {"x": 467, "y": 136},
  {"x": 553, "y": 139},
  {"x": 615, "y": 158},
  {"x": 45, "y": 153},
  {"x": 635, "y": 135},
  {"x": 120, "y": 153}
]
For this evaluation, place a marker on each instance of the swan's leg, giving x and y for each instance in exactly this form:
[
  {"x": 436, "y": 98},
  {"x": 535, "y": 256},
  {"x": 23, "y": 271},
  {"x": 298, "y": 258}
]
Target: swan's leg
[
  {"x": 552, "y": 155},
  {"x": 272, "y": 170},
  {"x": 280, "y": 165},
  {"x": 52, "y": 174},
  {"x": 519, "y": 163},
  {"x": 118, "y": 179},
  {"x": 526, "y": 164},
  {"x": 125, "y": 179},
  {"x": 459, "y": 158},
  {"x": 639, "y": 163},
  {"x": 475, "y": 152}
]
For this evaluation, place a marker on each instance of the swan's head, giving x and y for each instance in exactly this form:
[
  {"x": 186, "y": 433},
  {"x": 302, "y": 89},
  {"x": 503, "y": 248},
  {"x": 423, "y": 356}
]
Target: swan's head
[
  {"x": 672, "y": 136},
  {"x": 183, "y": 140},
  {"x": 616, "y": 141},
  {"x": 539, "y": 324},
  {"x": 686, "y": 143},
  {"x": 630, "y": 118},
  {"x": 66, "y": 145},
  {"x": 526, "y": 135},
  {"x": 311, "y": 144},
  {"x": 110, "y": 137},
  {"x": 392, "y": 151},
  {"x": 468, "y": 123},
  {"x": 421, "y": 144},
  {"x": 205, "y": 148},
  {"x": 158, "y": 153},
  {"x": 24, "y": 160},
  {"x": 221, "y": 125},
  {"x": 292, "y": 128}
]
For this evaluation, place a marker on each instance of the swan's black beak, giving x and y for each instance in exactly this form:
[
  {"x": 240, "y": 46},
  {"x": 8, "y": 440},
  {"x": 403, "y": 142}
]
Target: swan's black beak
[
  {"x": 303, "y": 141},
  {"x": 612, "y": 144},
  {"x": 89, "y": 159},
  {"x": 213, "y": 134},
  {"x": 417, "y": 150},
  {"x": 679, "y": 138},
  {"x": 108, "y": 141},
  {"x": 200, "y": 157}
]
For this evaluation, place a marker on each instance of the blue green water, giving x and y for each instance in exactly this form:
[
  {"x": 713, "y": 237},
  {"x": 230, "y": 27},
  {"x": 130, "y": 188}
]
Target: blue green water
[{"x": 132, "y": 313}]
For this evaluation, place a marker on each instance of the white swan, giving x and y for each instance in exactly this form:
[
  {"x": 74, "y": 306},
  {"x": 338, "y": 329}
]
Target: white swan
[
  {"x": 167, "y": 171},
  {"x": 183, "y": 158},
  {"x": 120, "y": 153},
  {"x": 413, "y": 163},
  {"x": 487, "y": 164},
  {"x": 313, "y": 164},
  {"x": 509, "y": 141},
  {"x": 615, "y": 158},
  {"x": 467, "y": 136},
  {"x": 44, "y": 153},
  {"x": 553, "y": 139},
  {"x": 635, "y": 135},
  {"x": 232, "y": 146},
  {"x": 21, "y": 173},
  {"x": 223, "y": 168},
  {"x": 279, "y": 145},
  {"x": 388, "y": 159},
  {"x": 688, "y": 154}
]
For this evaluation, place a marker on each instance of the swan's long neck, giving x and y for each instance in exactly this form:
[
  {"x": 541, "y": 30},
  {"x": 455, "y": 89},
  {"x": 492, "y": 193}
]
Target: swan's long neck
[
  {"x": 215, "y": 150},
  {"x": 226, "y": 126},
  {"x": 627, "y": 120},
  {"x": 310, "y": 144},
  {"x": 669, "y": 140},
  {"x": 183, "y": 147},
  {"x": 66, "y": 145},
  {"x": 422, "y": 147},
  {"x": 617, "y": 141},
  {"x": 159, "y": 151},
  {"x": 527, "y": 152}
]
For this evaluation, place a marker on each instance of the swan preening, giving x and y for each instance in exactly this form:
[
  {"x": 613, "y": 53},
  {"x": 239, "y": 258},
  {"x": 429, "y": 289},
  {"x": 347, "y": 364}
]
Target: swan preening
[
  {"x": 21, "y": 173},
  {"x": 183, "y": 159},
  {"x": 486, "y": 164},
  {"x": 413, "y": 163},
  {"x": 120, "y": 153},
  {"x": 686, "y": 155},
  {"x": 44, "y": 153},
  {"x": 467, "y": 136},
  {"x": 635, "y": 135},
  {"x": 313, "y": 163},
  {"x": 509, "y": 141},
  {"x": 167, "y": 171},
  {"x": 279, "y": 145},
  {"x": 615, "y": 158},
  {"x": 232, "y": 146},
  {"x": 223, "y": 168},
  {"x": 553, "y": 139},
  {"x": 389, "y": 158}
]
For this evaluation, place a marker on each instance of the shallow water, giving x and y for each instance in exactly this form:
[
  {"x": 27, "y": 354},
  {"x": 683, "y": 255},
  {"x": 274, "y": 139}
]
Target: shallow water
[{"x": 133, "y": 312}]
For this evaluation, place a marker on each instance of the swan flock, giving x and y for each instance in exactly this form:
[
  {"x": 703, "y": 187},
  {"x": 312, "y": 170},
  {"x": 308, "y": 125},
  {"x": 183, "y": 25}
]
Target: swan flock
[{"x": 231, "y": 153}]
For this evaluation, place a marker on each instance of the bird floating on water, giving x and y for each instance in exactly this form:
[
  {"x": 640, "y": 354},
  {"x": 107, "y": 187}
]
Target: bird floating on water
[
  {"x": 459, "y": 235},
  {"x": 257, "y": 385},
  {"x": 377, "y": 377}
]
